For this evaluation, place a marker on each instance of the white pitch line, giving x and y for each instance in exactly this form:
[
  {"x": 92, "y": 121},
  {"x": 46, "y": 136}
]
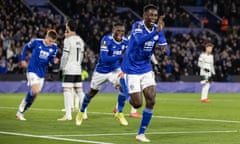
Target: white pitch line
[
  {"x": 149, "y": 133},
  {"x": 52, "y": 137},
  {"x": 197, "y": 119},
  {"x": 179, "y": 118},
  {"x": 155, "y": 116}
]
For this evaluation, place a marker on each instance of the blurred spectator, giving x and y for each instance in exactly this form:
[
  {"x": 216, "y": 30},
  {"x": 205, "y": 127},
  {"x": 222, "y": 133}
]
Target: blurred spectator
[
  {"x": 3, "y": 65},
  {"x": 224, "y": 26}
]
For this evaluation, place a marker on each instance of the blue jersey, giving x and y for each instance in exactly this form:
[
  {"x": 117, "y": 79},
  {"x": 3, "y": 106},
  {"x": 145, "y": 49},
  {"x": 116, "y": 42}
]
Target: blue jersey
[
  {"x": 41, "y": 56},
  {"x": 137, "y": 58},
  {"x": 110, "y": 54}
]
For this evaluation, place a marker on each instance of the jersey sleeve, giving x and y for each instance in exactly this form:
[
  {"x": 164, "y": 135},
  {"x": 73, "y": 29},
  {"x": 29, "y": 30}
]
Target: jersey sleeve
[
  {"x": 200, "y": 61},
  {"x": 82, "y": 45},
  {"x": 212, "y": 66},
  {"x": 53, "y": 54},
  {"x": 162, "y": 40},
  {"x": 66, "y": 45},
  {"x": 140, "y": 37},
  {"x": 103, "y": 45},
  {"x": 26, "y": 47},
  {"x": 64, "y": 58}
]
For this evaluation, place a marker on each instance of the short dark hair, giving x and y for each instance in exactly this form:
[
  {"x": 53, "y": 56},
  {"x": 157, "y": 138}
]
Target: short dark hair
[
  {"x": 72, "y": 25},
  {"x": 118, "y": 24},
  {"x": 148, "y": 7},
  {"x": 52, "y": 33},
  {"x": 209, "y": 45}
]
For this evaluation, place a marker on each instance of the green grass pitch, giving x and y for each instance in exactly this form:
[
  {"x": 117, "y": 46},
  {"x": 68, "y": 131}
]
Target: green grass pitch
[{"x": 178, "y": 119}]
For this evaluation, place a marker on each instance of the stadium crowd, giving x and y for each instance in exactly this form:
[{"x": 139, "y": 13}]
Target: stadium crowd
[{"x": 95, "y": 18}]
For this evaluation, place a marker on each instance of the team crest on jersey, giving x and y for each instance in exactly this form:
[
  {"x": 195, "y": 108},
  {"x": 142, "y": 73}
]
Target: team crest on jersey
[{"x": 156, "y": 37}]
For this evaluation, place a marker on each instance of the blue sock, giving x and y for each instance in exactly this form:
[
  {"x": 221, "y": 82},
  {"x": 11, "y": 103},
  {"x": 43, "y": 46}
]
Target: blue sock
[
  {"x": 121, "y": 101},
  {"x": 85, "y": 102},
  {"x": 124, "y": 88},
  {"x": 29, "y": 100},
  {"x": 146, "y": 118}
]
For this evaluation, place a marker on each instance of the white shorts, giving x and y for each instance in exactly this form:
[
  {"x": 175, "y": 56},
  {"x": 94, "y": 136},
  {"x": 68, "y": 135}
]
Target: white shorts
[
  {"x": 98, "y": 79},
  {"x": 137, "y": 82},
  {"x": 34, "y": 79}
]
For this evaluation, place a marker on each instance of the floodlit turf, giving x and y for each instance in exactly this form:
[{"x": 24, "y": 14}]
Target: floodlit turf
[{"x": 178, "y": 119}]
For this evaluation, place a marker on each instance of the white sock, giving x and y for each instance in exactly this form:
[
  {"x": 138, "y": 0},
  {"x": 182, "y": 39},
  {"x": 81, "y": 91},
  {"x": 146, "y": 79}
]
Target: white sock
[
  {"x": 205, "y": 89},
  {"x": 133, "y": 110},
  {"x": 116, "y": 106},
  {"x": 73, "y": 98},
  {"x": 22, "y": 105},
  {"x": 68, "y": 98},
  {"x": 77, "y": 101}
]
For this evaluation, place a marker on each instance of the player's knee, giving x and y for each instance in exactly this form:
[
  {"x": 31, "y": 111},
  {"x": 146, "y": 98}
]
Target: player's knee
[
  {"x": 92, "y": 92},
  {"x": 150, "y": 103},
  {"x": 137, "y": 105},
  {"x": 68, "y": 90},
  {"x": 35, "y": 91}
]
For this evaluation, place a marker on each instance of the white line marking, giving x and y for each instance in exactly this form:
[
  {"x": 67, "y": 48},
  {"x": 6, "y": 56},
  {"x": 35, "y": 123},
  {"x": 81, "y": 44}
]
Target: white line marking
[
  {"x": 179, "y": 118},
  {"x": 197, "y": 119},
  {"x": 52, "y": 137},
  {"x": 150, "y": 133},
  {"x": 155, "y": 116}
]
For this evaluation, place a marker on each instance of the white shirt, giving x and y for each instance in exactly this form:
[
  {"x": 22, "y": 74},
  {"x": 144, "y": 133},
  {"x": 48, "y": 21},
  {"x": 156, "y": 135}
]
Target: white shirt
[
  {"x": 206, "y": 61},
  {"x": 72, "y": 55}
]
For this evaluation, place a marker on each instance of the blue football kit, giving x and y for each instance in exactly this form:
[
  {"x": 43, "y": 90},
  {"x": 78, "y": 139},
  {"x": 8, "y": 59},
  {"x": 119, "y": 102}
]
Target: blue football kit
[
  {"x": 137, "y": 58},
  {"x": 110, "y": 54},
  {"x": 41, "y": 56}
]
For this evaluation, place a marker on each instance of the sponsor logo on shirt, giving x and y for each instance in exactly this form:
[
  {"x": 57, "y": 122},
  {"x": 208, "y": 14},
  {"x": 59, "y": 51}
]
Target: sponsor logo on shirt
[
  {"x": 148, "y": 46},
  {"x": 43, "y": 54}
]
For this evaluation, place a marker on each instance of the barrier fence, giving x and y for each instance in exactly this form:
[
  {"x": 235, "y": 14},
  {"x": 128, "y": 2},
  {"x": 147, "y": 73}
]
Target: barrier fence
[{"x": 163, "y": 87}]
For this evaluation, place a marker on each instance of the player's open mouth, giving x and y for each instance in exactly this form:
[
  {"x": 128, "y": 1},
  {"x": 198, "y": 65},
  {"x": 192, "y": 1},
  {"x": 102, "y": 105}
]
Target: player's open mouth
[{"x": 152, "y": 23}]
